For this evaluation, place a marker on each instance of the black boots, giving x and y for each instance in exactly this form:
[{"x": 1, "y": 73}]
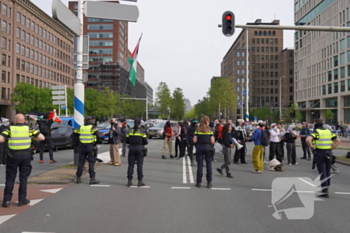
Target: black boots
[
  {"x": 24, "y": 202},
  {"x": 198, "y": 185},
  {"x": 5, "y": 204},
  {"x": 209, "y": 185},
  {"x": 323, "y": 193},
  {"x": 163, "y": 157},
  {"x": 140, "y": 183},
  {"x": 94, "y": 181},
  {"x": 129, "y": 183},
  {"x": 78, "y": 180}
]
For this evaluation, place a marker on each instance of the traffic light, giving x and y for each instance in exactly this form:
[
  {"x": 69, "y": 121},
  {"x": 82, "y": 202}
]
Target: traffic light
[
  {"x": 228, "y": 23},
  {"x": 292, "y": 114}
]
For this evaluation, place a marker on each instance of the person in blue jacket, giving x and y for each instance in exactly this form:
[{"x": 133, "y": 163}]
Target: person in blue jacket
[{"x": 258, "y": 151}]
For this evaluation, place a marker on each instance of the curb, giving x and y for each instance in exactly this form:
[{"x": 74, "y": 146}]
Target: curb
[{"x": 343, "y": 163}]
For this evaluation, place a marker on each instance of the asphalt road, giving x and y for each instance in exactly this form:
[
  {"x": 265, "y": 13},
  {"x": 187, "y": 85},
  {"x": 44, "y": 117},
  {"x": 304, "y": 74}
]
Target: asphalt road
[{"x": 171, "y": 203}]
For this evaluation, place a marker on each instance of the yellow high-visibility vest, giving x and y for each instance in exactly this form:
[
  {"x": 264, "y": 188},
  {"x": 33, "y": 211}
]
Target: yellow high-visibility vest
[
  {"x": 19, "y": 138},
  {"x": 85, "y": 134}
]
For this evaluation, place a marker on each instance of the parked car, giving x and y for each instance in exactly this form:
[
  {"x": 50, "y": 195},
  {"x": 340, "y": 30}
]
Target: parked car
[
  {"x": 157, "y": 129},
  {"x": 60, "y": 135},
  {"x": 103, "y": 130}
]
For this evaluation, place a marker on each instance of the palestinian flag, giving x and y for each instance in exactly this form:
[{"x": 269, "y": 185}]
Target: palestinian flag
[
  {"x": 133, "y": 63},
  {"x": 40, "y": 116}
]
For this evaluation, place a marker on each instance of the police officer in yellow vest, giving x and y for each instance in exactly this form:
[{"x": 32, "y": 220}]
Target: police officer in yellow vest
[
  {"x": 325, "y": 141},
  {"x": 19, "y": 138},
  {"x": 137, "y": 138},
  {"x": 87, "y": 134}
]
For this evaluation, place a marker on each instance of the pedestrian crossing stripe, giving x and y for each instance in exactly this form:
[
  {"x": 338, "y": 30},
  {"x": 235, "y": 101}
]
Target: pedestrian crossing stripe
[
  {"x": 52, "y": 190},
  {"x": 5, "y": 218}
]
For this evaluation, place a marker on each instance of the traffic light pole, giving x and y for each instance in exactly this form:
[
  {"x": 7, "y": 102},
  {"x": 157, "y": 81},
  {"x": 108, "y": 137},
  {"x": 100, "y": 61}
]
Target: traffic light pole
[{"x": 247, "y": 77}]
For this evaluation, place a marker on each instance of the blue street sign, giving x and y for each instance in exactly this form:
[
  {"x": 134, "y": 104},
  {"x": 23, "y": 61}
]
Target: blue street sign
[
  {"x": 240, "y": 104},
  {"x": 64, "y": 107},
  {"x": 255, "y": 118},
  {"x": 244, "y": 93}
]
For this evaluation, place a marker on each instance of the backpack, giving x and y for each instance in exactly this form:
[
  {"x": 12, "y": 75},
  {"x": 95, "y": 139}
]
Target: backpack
[
  {"x": 265, "y": 138},
  {"x": 44, "y": 127}
]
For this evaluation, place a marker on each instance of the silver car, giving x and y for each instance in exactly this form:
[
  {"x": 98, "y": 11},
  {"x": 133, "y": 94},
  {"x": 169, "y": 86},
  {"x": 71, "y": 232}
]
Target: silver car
[{"x": 158, "y": 129}]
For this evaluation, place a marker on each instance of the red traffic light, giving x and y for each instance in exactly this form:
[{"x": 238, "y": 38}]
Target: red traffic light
[{"x": 228, "y": 17}]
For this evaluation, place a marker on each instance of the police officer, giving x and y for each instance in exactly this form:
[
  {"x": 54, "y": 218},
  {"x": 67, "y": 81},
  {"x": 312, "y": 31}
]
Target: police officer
[
  {"x": 137, "y": 139},
  {"x": 88, "y": 135},
  {"x": 203, "y": 139},
  {"x": 325, "y": 141},
  {"x": 19, "y": 141}
]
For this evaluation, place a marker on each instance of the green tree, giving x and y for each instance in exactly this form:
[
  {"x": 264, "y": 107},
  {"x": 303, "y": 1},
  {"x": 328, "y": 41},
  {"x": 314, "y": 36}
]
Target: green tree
[
  {"x": 222, "y": 93},
  {"x": 91, "y": 95},
  {"x": 203, "y": 107},
  {"x": 298, "y": 116},
  {"x": 163, "y": 99},
  {"x": 191, "y": 114},
  {"x": 107, "y": 103},
  {"x": 329, "y": 115},
  {"x": 177, "y": 104}
]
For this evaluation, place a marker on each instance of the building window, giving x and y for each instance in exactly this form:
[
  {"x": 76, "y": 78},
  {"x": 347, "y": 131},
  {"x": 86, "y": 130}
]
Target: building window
[
  {"x": 342, "y": 72},
  {"x": 3, "y": 59},
  {"x": 335, "y": 60},
  {"x": 3, "y": 76},
  {"x": 100, "y": 26},
  {"x": 329, "y": 76},
  {"x": 333, "y": 102},
  {"x": 324, "y": 90},
  {"x": 342, "y": 86},
  {"x": 330, "y": 88},
  {"x": 336, "y": 87},
  {"x": 342, "y": 44},
  {"x": 238, "y": 63},
  {"x": 336, "y": 74},
  {"x": 342, "y": 58},
  {"x": 238, "y": 54},
  {"x": 19, "y": 17}
]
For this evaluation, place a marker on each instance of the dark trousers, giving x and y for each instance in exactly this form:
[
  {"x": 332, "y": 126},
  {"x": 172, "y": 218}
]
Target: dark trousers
[
  {"x": 240, "y": 154},
  {"x": 202, "y": 153},
  {"x": 177, "y": 145},
  {"x": 324, "y": 163},
  {"x": 291, "y": 153},
  {"x": 183, "y": 146},
  {"x": 190, "y": 149},
  {"x": 86, "y": 152},
  {"x": 124, "y": 148},
  {"x": 3, "y": 149},
  {"x": 20, "y": 161},
  {"x": 275, "y": 150},
  {"x": 48, "y": 142},
  {"x": 306, "y": 149},
  {"x": 282, "y": 148},
  {"x": 135, "y": 154}
]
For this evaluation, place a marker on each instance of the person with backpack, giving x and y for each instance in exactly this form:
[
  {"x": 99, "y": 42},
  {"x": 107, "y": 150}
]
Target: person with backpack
[
  {"x": 45, "y": 129},
  {"x": 291, "y": 149},
  {"x": 124, "y": 131},
  {"x": 168, "y": 142},
  {"x": 258, "y": 151},
  {"x": 184, "y": 138},
  {"x": 4, "y": 145}
]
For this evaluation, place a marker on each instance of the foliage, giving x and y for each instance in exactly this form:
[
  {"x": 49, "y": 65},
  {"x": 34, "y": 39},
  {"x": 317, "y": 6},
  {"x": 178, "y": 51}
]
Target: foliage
[
  {"x": 298, "y": 116},
  {"x": 265, "y": 114},
  {"x": 163, "y": 99},
  {"x": 191, "y": 114},
  {"x": 203, "y": 107},
  {"x": 177, "y": 105},
  {"x": 222, "y": 93},
  {"x": 329, "y": 115}
]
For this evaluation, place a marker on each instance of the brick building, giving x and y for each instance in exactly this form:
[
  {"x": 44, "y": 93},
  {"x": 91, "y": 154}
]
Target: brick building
[{"x": 35, "y": 49}]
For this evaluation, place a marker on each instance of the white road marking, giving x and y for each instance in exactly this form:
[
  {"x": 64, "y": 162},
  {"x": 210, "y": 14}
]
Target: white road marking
[
  {"x": 180, "y": 187},
  {"x": 141, "y": 187},
  {"x": 342, "y": 193},
  {"x": 2, "y": 185},
  {"x": 190, "y": 170},
  {"x": 51, "y": 190},
  {"x": 33, "y": 202},
  {"x": 184, "y": 175},
  {"x": 223, "y": 189},
  {"x": 263, "y": 190},
  {"x": 304, "y": 191},
  {"x": 5, "y": 218},
  {"x": 36, "y": 232},
  {"x": 307, "y": 182},
  {"x": 100, "y": 185}
]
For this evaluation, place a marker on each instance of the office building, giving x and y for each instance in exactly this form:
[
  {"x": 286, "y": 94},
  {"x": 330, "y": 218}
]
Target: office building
[
  {"x": 267, "y": 65},
  {"x": 322, "y": 60},
  {"x": 35, "y": 49}
]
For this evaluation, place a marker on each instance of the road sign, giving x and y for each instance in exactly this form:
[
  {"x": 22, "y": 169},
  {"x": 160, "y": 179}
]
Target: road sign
[
  {"x": 58, "y": 92},
  {"x": 58, "y": 87},
  {"x": 58, "y": 97},
  {"x": 106, "y": 10},
  {"x": 240, "y": 104},
  {"x": 61, "y": 13},
  {"x": 59, "y": 102},
  {"x": 255, "y": 118},
  {"x": 244, "y": 93},
  {"x": 64, "y": 107}
]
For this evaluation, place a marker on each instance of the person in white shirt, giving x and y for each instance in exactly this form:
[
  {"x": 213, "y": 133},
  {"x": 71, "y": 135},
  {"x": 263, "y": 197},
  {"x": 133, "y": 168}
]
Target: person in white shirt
[{"x": 275, "y": 147}]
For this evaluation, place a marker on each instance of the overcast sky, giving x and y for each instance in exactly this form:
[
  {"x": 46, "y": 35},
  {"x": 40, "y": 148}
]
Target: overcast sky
[{"x": 182, "y": 44}]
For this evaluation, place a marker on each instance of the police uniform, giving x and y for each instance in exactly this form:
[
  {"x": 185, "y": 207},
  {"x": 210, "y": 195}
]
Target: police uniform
[
  {"x": 19, "y": 144},
  {"x": 88, "y": 137},
  {"x": 203, "y": 147},
  {"x": 322, "y": 140},
  {"x": 136, "y": 139}
]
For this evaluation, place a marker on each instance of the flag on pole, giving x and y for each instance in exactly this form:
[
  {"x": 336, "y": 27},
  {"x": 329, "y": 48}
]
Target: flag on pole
[{"x": 133, "y": 63}]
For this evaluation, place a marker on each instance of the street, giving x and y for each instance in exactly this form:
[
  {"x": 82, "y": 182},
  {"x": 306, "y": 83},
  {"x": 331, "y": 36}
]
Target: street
[{"x": 170, "y": 202}]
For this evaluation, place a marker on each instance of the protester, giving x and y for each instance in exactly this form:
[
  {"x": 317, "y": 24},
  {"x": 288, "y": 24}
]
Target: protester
[
  {"x": 226, "y": 144},
  {"x": 304, "y": 133},
  {"x": 178, "y": 139},
  {"x": 3, "y": 146},
  {"x": 240, "y": 135},
  {"x": 114, "y": 143},
  {"x": 168, "y": 142},
  {"x": 290, "y": 136},
  {"x": 258, "y": 151},
  {"x": 124, "y": 131},
  {"x": 275, "y": 149}
]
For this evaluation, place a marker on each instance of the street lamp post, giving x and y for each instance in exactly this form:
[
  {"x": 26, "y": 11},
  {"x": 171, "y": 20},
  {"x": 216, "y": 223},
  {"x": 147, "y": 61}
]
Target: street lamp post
[{"x": 281, "y": 97}]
